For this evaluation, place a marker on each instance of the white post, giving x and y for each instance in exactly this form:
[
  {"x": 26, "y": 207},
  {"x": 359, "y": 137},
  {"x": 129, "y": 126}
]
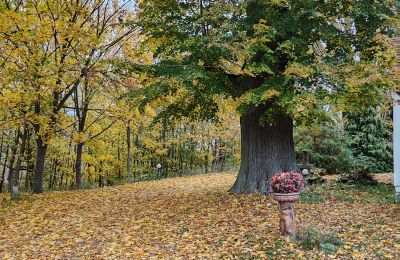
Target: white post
[{"x": 396, "y": 144}]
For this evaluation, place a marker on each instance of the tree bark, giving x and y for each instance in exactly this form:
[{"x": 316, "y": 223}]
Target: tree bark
[
  {"x": 53, "y": 180},
  {"x": 128, "y": 143},
  {"x": 14, "y": 151},
  {"x": 164, "y": 159},
  {"x": 206, "y": 159},
  {"x": 78, "y": 165},
  {"x": 266, "y": 149},
  {"x": 41, "y": 150},
  {"x": 15, "y": 192},
  {"x": 1, "y": 156},
  {"x": 3, "y": 178},
  {"x": 119, "y": 158},
  {"x": 29, "y": 163},
  {"x": 81, "y": 114}
]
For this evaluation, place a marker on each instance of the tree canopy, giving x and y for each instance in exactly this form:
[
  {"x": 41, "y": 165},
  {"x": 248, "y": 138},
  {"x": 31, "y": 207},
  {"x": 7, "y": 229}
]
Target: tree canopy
[{"x": 300, "y": 55}]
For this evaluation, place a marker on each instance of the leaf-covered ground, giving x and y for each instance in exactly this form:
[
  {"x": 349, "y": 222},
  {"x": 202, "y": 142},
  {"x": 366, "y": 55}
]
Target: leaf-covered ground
[{"x": 189, "y": 217}]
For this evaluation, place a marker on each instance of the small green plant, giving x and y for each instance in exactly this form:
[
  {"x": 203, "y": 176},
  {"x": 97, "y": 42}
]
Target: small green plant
[
  {"x": 311, "y": 198},
  {"x": 313, "y": 238},
  {"x": 308, "y": 239},
  {"x": 330, "y": 238},
  {"x": 343, "y": 197},
  {"x": 7, "y": 201},
  {"x": 328, "y": 248}
]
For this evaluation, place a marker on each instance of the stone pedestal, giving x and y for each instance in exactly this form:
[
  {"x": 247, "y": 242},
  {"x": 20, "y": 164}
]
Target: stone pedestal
[{"x": 287, "y": 223}]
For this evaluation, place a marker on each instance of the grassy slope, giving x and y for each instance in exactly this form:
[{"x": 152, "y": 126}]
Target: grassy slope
[{"x": 191, "y": 217}]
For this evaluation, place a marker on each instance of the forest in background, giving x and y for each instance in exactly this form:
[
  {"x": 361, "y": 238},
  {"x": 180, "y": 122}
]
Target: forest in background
[{"x": 65, "y": 111}]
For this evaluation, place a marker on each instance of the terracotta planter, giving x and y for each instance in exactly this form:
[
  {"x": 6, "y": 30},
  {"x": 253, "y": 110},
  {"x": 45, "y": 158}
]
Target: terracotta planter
[
  {"x": 287, "y": 223},
  {"x": 286, "y": 197}
]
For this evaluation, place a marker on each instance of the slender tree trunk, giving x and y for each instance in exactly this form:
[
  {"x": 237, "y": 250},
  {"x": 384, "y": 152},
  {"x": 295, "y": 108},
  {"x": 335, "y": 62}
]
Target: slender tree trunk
[
  {"x": 223, "y": 160},
  {"x": 3, "y": 178},
  {"x": 1, "y": 145},
  {"x": 180, "y": 159},
  {"x": 14, "y": 151},
  {"x": 137, "y": 145},
  {"x": 41, "y": 150},
  {"x": 81, "y": 114},
  {"x": 265, "y": 150},
  {"x": 206, "y": 159},
  {"x": 128, "y": 143},
  {"x": 1, "y": 156},
  {"x": 16, "y": 173},
  {"x": 203, "y": 26},
  {"x": 55, "y": 169},
  {"x": 61, "y": 180},
  {"x": 78, "y": 165},
  {"x": 29, "y": 163},
  {"x": 214, "y": 152},
  {"x": 51, "y": 173},
  {"x": 119, "y": 158},
  {"x": 164, "y": 162}
]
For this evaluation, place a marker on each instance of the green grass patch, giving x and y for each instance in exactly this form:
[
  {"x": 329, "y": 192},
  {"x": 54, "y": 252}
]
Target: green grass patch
[
  {"x": 380, "y": 193},
  {"x": 311, "y": 198}
]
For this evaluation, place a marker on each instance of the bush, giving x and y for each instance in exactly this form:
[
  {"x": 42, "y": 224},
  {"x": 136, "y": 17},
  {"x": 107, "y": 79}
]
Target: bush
[
  {"x": 358, "y": 177},
  {"x": 369, "y": 135},
  {"x": 313, "y": 238},
  {"x": 328, "y": 148}
]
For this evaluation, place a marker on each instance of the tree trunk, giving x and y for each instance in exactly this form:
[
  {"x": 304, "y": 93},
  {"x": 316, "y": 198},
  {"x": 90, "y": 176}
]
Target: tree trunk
[
  {"x": 78, "y": 165},
  {"x": 164, "y": 160},
  {"x": 14, "y": 150},
  {"x": 137, "y": 145},
  {"x": 1, "y": 146},
  {"x": 119, "y": 158},
  {"x": 265, "y": 150},
  {"x": 3, "y": 178},
  {"x": 51, "y": 173},
  {"x": 41, "y": 149},
  {"x": 16, "y": 174},
  {"x": 206, "y": 159},
  {"x": 128, "y": 143},
  {"x": 1, "y": 156},
  {"x": 81, "y": 114},
  {"x": 29, "y": 163},
  {"x": 55, "y": 169},
  {"x": 61, "y": 180}
]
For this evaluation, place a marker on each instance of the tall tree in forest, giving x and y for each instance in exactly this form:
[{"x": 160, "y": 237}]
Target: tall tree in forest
[{"x": 282, "y": 60}]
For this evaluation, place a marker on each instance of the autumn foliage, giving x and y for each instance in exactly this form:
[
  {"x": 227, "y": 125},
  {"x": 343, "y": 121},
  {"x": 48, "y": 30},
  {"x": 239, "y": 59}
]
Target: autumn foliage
[{"x": 99, "y": 94}]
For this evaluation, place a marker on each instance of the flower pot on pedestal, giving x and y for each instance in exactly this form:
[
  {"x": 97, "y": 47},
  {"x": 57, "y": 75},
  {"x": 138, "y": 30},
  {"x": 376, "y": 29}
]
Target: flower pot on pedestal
[
  {"x": 287, "y": 223},
  {"x": 286, "y": 187}
]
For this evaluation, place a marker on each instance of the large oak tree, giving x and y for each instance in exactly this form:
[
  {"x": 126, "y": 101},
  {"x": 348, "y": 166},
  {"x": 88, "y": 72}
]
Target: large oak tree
[{"x": 283, "y": 60}]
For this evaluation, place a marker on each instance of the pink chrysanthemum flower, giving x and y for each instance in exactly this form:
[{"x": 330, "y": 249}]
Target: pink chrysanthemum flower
[{"x": 287, "y": 182}]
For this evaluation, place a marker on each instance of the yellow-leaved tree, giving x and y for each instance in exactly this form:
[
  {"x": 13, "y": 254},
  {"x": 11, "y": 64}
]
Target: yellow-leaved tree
[{"x": 49, "y": 50}]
